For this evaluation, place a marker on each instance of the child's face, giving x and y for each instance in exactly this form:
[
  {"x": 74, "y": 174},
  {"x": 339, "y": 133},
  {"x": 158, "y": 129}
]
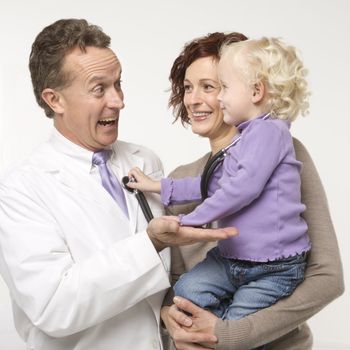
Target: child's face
[{"x": 235, "y": 96}]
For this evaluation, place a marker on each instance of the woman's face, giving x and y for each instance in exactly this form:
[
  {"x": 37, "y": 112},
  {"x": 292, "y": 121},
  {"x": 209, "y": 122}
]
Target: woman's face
[{"x": 202, "y": 87}]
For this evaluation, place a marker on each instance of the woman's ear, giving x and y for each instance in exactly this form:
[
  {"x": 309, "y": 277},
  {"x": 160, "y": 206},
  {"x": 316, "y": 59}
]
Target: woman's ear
[
  {"x": 53, "y": 99},
  {"x": 258, "y": 92}
]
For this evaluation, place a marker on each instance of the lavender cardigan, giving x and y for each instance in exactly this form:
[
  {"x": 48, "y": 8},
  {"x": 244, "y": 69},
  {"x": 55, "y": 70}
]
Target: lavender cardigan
[{"x": 257, "y": 190}]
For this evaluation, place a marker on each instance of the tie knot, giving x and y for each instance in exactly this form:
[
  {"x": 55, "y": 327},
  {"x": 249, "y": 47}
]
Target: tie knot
[{"x": 101, "y": 157}]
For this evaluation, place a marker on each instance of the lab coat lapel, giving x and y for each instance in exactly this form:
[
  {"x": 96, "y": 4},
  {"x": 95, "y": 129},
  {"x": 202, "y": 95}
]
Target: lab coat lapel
[
  {"x": 126, "y": 158},
  {"x": 85, "y": 186},
  {"x": 123, "y": 160},
  {"x": 81, "y": 183}
]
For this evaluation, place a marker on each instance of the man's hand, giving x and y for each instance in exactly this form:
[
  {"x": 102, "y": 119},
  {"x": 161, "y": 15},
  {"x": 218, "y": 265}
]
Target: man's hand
[
  {"x": 166, "y": 232},
  {"x": 194, "y": 332}
]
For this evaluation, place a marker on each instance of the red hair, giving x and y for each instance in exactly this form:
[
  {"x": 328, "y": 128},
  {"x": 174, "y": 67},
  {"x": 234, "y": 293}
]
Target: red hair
[{"x": 206, "y": 46}]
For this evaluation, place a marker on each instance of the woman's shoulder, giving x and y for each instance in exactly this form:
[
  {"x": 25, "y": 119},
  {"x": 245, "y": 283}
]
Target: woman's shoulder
[
  {"x": 301, "y": 152},
  {"x": 191, "y": 169},
  {"x": 298, "y": 145}
]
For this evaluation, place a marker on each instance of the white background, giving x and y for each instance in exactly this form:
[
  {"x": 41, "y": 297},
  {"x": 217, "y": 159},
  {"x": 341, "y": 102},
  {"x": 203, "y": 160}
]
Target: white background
[{"x": 147, "y": 36}]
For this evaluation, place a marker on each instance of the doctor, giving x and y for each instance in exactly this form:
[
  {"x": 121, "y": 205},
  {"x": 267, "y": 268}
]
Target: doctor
[{"x": 83, "y": 268}]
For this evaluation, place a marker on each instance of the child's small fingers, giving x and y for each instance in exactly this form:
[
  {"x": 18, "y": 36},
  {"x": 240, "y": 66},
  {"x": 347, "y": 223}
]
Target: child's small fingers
[
  {"x": 134, "y": 173},
  {"x": 132, "y": 185}
]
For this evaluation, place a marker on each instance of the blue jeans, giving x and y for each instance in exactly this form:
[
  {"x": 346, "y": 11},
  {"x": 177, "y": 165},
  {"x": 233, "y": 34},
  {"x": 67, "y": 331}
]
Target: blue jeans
[{"x": 232, "y": 289}]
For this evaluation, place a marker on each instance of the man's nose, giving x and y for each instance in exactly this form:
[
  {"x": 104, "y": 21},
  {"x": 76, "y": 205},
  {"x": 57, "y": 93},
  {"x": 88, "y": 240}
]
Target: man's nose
[{"x": 116, "y": 99}]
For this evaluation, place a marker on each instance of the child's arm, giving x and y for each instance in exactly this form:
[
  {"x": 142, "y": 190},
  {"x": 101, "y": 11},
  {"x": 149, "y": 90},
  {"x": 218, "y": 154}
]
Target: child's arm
[
  {"x": 143, "y": 182},
  {"x": 261, "y": 149},
  {"x": 172, "y": 191}
]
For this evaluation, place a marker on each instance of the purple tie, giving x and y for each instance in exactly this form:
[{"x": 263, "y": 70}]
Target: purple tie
[{"x": 109, "y": 180}]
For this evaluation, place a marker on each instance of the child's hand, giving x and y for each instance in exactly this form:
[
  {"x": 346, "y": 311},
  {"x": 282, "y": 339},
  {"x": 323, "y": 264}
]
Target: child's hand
[{"x": 143, "y": 182}]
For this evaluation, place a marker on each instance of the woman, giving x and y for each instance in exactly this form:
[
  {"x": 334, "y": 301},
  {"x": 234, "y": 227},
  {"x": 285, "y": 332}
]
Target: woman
[{"x": 195, "y": 88}]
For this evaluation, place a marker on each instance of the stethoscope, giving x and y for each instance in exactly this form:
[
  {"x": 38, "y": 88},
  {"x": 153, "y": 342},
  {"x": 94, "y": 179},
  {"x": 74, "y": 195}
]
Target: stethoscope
[
  {"x": 146, "y": 210},
  {"x": 217, "y": 159},
  {"x": 212, "y": 164},
  {"x": 208, "y": 171}
]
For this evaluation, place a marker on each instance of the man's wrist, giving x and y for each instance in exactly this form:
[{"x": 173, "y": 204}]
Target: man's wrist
[
  {"x": 157, "y": 244},
  {"x": 157, "y": 187}
]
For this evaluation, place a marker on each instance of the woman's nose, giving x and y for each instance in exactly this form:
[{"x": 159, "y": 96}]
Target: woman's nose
[{"x": 194, "y": 97}]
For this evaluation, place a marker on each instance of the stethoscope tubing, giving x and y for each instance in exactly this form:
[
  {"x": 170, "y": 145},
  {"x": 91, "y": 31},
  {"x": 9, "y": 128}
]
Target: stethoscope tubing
[
  {"x": 146, "y": 210},
  {"x": 213, "y": 163}
]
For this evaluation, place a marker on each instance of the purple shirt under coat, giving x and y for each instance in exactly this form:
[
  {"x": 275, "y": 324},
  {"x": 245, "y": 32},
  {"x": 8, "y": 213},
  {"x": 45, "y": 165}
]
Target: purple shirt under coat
[{"x": 257, "y": 190}]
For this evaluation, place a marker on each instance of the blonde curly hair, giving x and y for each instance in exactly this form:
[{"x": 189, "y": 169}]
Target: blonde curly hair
[{"x": 278, "y": 67}]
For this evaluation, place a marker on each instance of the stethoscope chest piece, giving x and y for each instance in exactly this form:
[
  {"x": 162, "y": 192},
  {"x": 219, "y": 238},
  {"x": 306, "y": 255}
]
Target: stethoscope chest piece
[{"x": 147, "y": 212}]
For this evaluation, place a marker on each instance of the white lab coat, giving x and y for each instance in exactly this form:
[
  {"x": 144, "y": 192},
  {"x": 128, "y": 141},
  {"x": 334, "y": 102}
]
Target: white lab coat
[{"x": 78, "y": 274}]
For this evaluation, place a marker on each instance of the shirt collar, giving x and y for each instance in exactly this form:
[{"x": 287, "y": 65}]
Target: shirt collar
[
  {"x": 81, "y": 157},
  {"x": 243, "y": 125}
]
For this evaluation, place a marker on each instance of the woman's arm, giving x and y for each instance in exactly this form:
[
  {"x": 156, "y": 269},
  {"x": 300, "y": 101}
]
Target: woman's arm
[{"x": 323, "y": 279}]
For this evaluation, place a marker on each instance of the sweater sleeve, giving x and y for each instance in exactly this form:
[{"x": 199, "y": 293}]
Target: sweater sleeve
[
  {"x": 180, "y": 191},
  {"x": 323, "y": 279}
]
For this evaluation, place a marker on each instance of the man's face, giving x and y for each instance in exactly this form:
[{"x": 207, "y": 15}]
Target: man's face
[{"x": 91, "y": 103}]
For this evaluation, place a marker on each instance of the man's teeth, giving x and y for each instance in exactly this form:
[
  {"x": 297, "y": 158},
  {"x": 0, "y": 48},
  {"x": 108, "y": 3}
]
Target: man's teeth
[{"x": 107, "y": 121}]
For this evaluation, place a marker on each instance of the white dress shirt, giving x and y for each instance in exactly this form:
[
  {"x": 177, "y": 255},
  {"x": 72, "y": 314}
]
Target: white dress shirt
[{"x": 81, "y": 276}]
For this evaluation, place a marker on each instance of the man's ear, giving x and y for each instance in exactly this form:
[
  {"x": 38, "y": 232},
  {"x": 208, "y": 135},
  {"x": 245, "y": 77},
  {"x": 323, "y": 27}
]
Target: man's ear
[
  {"x": 53, "y": 99},
  {"x": 258, "y": 92}
]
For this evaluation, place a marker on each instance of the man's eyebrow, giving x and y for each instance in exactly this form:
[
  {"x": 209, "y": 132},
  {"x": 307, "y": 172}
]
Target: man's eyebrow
[{"x": 97, "y": 78}]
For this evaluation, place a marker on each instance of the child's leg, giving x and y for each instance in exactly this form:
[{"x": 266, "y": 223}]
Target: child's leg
[
  {"x": 266, "y": 283},
  {"x": 207, "y": 284}
]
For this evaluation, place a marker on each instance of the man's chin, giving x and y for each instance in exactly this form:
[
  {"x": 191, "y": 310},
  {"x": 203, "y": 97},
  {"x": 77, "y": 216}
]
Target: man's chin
[{"x": 108, "y": 140}]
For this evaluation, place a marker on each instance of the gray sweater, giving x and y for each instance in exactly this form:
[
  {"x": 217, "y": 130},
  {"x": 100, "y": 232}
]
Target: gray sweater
[{"x": 281, "y": 326}]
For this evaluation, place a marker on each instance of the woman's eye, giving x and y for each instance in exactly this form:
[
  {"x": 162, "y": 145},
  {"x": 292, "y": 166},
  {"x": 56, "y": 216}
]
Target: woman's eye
[
  {"x": 187, "y": 88},
  {"x": 208, "y": 87}
]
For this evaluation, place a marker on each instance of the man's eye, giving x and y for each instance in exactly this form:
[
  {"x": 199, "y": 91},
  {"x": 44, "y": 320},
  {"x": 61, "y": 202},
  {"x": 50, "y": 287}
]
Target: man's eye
[
  {"x": 118, "y": 84},
  {"x": 98, "y": 90}
]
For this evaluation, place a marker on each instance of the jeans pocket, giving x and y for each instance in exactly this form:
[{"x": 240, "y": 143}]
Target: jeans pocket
[{"x": 287, "y": 274}]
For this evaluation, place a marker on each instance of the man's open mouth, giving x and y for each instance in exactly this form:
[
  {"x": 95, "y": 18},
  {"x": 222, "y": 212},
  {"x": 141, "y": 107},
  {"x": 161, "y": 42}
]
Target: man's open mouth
[{"x": 108, "y": 121}]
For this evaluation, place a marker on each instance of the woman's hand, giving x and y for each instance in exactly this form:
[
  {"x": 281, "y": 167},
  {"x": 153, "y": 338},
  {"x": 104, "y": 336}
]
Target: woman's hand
[{"x": 194, "y": 332}]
